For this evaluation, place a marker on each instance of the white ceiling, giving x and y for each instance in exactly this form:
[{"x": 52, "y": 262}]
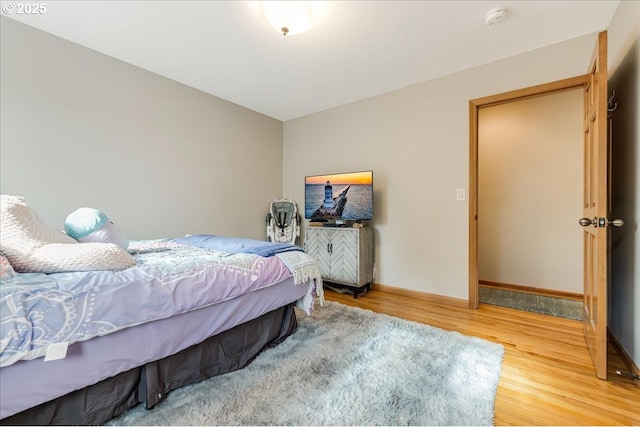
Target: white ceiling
[{"x": 356, "y": 49}]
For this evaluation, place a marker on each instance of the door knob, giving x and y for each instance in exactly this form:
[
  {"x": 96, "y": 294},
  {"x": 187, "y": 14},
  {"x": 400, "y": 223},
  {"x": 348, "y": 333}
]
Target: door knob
[
  {"x": 586, "y": 221},
  {"x": 616, "y": 223},
  {"x": 611, "y": 222}
]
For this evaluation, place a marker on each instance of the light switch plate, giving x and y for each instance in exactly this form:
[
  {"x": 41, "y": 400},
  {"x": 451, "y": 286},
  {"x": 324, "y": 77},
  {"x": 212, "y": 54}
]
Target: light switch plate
[{"x": 461, "y": 194}]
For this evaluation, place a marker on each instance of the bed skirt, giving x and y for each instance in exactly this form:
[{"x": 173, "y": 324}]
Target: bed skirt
[{"x": 225, "y": 352}]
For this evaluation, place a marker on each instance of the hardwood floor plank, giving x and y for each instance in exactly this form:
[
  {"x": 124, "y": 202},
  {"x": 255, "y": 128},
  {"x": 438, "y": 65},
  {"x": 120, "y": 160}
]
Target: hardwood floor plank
[{"x": 547, "y": 376}]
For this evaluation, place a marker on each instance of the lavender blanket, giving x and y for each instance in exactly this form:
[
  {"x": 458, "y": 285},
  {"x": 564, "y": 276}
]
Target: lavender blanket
[{"x": 237, "y": 245}]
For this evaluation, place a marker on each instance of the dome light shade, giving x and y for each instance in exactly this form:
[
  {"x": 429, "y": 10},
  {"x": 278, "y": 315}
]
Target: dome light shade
[{"x": 288, "y": 17}]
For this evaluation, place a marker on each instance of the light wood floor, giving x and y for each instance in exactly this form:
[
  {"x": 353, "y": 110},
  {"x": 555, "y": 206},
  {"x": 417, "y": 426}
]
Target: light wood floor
[{"x": 547, "y": 377}]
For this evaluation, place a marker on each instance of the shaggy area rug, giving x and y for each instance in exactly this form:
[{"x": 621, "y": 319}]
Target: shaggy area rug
[{"x": 346, "y": 366}]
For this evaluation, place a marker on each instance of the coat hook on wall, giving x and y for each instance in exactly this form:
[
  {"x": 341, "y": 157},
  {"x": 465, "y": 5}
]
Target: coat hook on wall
[{"x": 611, "y": 106}]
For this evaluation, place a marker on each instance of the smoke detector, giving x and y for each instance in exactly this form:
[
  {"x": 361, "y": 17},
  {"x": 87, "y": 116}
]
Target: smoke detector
[{"x": 495, "y": 16}]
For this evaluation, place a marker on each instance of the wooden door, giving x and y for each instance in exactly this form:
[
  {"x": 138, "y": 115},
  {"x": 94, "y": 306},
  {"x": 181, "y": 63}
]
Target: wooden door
[{"x": 594, "y": 221}]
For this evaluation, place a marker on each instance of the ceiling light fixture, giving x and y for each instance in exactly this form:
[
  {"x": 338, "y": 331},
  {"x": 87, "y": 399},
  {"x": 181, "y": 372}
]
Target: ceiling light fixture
[{"x": 288, "y": 17}]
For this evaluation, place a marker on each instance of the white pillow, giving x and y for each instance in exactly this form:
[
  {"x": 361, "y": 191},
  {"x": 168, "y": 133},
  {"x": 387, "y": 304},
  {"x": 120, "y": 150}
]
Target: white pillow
[
  {"x": 31, "y": 246},
  {"x": 59, "y": 257}
]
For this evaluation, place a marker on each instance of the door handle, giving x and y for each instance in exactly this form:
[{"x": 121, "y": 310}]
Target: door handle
[
  {"x": 615, "y": 223},
  {"x": 585, "y": 222}
]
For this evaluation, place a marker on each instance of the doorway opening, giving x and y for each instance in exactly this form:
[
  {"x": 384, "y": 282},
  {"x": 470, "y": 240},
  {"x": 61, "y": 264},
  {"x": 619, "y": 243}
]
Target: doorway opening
[
  {"x": 475, "y": 106},
  {"x": 530, "y": 179}
]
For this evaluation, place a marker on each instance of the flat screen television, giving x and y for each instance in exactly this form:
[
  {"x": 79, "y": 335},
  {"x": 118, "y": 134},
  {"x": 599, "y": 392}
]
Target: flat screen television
[{"x": 339, "y": 197}]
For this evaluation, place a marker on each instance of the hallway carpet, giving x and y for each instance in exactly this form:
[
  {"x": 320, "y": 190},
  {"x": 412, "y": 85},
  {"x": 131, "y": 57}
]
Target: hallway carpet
[{"x": 559, "y": 307}]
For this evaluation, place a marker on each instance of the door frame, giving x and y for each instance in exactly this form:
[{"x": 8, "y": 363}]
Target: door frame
[{"x": 474, "y": 106}]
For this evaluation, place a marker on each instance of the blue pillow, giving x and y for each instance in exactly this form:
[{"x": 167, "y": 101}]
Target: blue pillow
[{"x": 93, "y": 225}]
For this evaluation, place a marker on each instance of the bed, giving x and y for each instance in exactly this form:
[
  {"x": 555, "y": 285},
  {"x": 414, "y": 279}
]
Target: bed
[{"x": 80, "y": 347}]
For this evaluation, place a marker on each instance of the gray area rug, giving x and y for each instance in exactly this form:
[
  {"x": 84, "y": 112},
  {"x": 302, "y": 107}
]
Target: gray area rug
[
  {"x": 559, "y": 307},
  {"x": 346, "y": 366}
]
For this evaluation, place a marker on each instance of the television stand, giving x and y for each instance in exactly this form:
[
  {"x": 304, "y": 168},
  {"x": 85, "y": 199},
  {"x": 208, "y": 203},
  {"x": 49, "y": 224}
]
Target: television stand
[{"x": 344, "y": 254}]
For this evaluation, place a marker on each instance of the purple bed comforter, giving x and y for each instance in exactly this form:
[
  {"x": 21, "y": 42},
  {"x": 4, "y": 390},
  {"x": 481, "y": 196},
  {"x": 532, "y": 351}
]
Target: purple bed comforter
[{"x": 169, "y": 278}]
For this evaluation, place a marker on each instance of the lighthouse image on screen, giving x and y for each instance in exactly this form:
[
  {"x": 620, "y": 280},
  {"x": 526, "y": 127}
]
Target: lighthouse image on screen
[{"x": 342, "y": 196}]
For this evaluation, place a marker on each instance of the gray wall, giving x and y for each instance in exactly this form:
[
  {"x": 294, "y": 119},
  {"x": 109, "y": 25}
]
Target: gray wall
[
  {"x": 624, "y": 78},
  {"x": 80, "y": 128}
]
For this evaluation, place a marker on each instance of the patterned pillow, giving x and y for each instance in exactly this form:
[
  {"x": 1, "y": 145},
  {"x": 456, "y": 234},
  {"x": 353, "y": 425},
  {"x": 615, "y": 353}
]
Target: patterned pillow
[
  {"x": 33, "y": 247},
  {"x": 6, "y": 270}
]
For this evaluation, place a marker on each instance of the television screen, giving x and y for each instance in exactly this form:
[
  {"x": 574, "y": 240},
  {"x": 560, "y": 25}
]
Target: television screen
[{"x": 340, "y": 196}]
